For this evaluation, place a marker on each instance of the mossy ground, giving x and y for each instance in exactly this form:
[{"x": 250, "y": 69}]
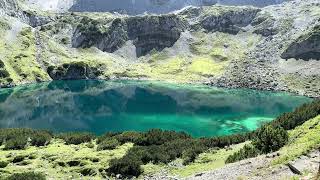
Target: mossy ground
[
  {"x": 19, "y": 55},
  {"x": 55, "y": 160}
]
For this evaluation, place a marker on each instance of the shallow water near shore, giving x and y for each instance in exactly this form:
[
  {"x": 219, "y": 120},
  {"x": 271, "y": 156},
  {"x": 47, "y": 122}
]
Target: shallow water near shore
[{"x": 101, "y": 106}]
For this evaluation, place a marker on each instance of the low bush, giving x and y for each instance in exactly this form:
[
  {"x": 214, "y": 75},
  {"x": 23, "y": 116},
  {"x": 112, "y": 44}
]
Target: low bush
[
  {"x": 40, "y": 138},
  {"x": 248, "y": 151},
  {"x": 129, "y": 136},
  {"x": 299, "y": 116},
  {"x": 17, "y": 143},
  {"x": 26, "y": 176},
  {"x": 108, "y": 144},
  {"x": 106, "y": 136},
  {"x": 17, "y": 138},
  {"x": 3, "y": 164},
  {"x": 76, "y": 137},
  {"x": 18, "y": 159},
  {"x": 269, "y": 139},
  {"x": 128, "y": 166}
]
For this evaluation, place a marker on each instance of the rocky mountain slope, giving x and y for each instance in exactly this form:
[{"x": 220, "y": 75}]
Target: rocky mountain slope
[{"x": 271, "y": 48}]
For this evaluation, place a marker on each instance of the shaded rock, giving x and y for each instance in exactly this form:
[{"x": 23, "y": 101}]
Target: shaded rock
[
  {"x": 294, "y": 169},
  {"x": 229, "y": 21},
  {"x": 305, "y": 47},
  {"x": 147, "y": 33},
  {"x": 73, "y": 70}
]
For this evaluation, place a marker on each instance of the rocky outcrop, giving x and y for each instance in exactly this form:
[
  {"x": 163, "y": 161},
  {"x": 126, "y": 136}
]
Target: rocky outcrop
[
  {"x": 12, "y": 8},
  {"x": 264, "y": 24},
  {"x": 147, "y": 33},
  {"x": 136, "y": 7},
  {"x": 75, "y": 70},
  {"x": 305, "y": 47},
  {"x": 230, "y": 21}
]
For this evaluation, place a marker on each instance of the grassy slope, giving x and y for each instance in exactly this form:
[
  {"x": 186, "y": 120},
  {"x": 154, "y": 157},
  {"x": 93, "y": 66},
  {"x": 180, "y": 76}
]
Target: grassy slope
[
  {"x": 303, "y": 139},
  {"x": 47, "y": 159},
  {"x": 18, "y": 53}
]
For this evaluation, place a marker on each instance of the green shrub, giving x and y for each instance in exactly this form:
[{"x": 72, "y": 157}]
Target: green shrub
[
  {"x": 128, "y": 166},
  {"x": 26, "y": 176},
  {"x": 16, "y": 138},
  {"x": 129, "y": 136},
  {"x": 76, "y": 137},
  {"x": 3, "y": 164},
  {"x": 40, "y": 138},
  {"x": 248, "y": 151},
  {"x": 18, "y": 159},
  {"x": 108, "y": 135},
  {"x": 8, "y": 134},
  {"x": 299, "y": 116},
  {"x": 269, "y": 139},
  {"x": 108, "y": 145},
  {"x": 158, "y": 137},
  {"x": 17, "y": 143}
]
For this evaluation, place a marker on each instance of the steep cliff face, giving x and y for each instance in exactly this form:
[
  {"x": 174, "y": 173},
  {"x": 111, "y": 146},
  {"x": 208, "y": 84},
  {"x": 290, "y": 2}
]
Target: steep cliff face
[
  {"x": 160, "y": 31},
  {"x": 230, "y": 21},
  {"x": 305, "y": 47},
  {"x": 146, "y": 32}
]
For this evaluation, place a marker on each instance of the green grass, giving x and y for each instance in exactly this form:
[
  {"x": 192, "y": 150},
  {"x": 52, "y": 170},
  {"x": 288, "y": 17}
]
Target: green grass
[
  {"x": 302, "y": 140},
  {"x": 206, "y": 161},
  {"x": 50, "y": 158}
]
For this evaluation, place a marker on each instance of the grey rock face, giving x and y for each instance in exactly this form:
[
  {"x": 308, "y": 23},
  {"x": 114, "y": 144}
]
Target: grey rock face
[
  {"x": 11, "y": 8},
  {"x": 230, "y": 21},
  {"x": 305, "y": 47},
  {"x": 147, "y": 33},
  {"x": 134, "y": 7}
]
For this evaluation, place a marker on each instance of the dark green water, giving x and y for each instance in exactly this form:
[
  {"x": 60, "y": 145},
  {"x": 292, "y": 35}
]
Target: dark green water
[{"x": 100, "y": 106}]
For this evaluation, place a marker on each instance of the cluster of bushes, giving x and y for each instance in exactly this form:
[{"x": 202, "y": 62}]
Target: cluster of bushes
[
  {"x": 267, "y": 139},
  {"x": 159, "y": 146},
  {"x": 26, "y": 176},
  {"x": 290, "y": 120},
  {"x": 76, "y": 137},
  {"x": 15, "y": 139},
  {"x": 272, "y": 136}
]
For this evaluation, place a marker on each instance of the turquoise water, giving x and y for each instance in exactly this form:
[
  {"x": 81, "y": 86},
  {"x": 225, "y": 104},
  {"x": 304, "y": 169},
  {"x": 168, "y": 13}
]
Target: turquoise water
[{"x": 100, "y": 106}]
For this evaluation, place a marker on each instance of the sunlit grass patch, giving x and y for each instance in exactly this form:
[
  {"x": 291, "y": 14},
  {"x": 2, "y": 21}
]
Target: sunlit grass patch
[
  {"x": 302, "y": 140},
  {"x": 206, "y": 67},
  {"x": 206, "y": 161}
]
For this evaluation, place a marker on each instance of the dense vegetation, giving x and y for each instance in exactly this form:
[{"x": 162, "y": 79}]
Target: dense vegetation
[
  {"x": 26, "y": 176},
  {"x": 273, "y": 136},
  {"x": 15, "y": 139},
  {"x": 158, "y": 146}
]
